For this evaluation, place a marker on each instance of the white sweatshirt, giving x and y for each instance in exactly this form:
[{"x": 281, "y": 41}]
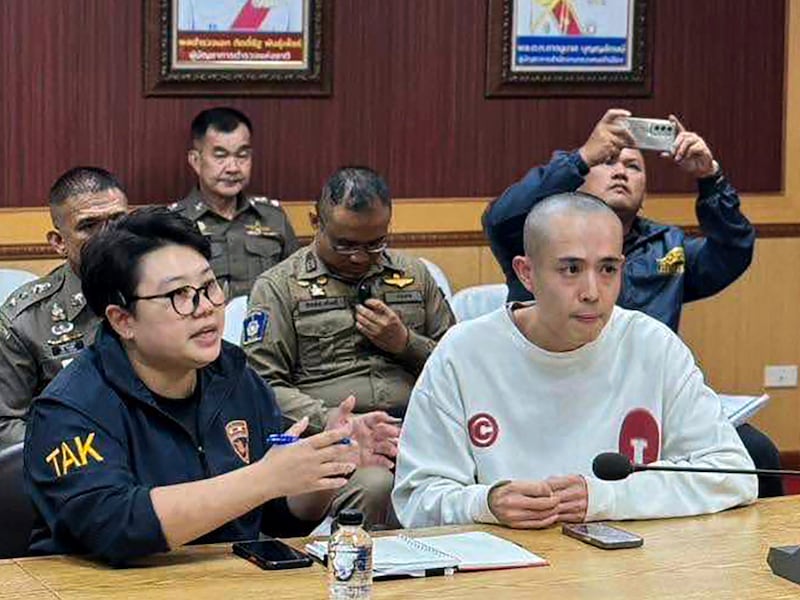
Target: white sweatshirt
[{"x": 492, "y": 406}]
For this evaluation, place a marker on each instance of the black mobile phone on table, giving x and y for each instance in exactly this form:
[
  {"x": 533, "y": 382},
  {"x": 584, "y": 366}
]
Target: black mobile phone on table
[
  {"x": 602, "y": 535},
  {"x": 271, "y": 554}
]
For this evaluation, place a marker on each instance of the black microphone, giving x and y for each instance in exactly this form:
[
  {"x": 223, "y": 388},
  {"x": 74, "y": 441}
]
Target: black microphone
[{"x": 613, "y": 466}]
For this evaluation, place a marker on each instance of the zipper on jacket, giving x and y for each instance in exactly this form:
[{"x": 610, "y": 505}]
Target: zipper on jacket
[{"x": 201, "y": 453}]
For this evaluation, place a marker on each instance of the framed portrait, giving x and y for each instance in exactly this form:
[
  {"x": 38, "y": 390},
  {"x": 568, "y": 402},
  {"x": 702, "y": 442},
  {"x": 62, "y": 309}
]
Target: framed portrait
[
  {"x": 569, "y": 48},
  {"x": 237, "y": 47}
]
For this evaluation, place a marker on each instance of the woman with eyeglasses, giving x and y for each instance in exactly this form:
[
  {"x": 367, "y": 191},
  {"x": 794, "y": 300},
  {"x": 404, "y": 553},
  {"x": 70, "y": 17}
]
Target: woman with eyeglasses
[{"x": 156, "y": 436}]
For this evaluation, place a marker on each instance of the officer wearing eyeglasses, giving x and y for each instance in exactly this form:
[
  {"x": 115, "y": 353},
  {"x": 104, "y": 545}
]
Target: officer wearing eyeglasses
[
  {"x": 248, "y": 234},
  {"x": 347, "y": 316},
  {"x": 157, "y": 435}
]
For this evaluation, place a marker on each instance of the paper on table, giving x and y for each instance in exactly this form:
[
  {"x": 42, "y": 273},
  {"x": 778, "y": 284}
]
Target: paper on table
[
  {"x": 480, "y": 550},
  {"x": 739, "y": 409},
  {"x": 400, "y": 554}
]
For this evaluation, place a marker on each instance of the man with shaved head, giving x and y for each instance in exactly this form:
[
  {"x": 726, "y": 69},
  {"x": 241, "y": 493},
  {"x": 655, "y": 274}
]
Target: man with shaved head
[
  {"x": 511, "y": 408},
  {"x": 663, "y": 268}
]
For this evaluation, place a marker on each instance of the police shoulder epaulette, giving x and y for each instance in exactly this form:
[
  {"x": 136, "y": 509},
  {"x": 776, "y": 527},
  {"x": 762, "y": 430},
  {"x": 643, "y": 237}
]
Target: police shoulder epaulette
[
  {"x": 31, "y": 293},
  {"x": 265, "y": 201}
]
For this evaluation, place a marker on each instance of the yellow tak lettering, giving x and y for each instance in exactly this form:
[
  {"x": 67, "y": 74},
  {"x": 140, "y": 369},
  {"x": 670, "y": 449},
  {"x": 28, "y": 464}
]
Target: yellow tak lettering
[
  {"x": 68, "y": 459},
  {"x": 53, "y": 459},
  {"x": 86, "y": 449}
]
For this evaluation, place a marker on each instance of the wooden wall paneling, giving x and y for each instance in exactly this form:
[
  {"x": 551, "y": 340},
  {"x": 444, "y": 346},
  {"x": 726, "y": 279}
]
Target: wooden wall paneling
[
  {"x": 460, "y": 264},
  {"x": 407, "y": 99},
  {"x": 754, "y": 323},
  {"x": 490, "y": 270}
]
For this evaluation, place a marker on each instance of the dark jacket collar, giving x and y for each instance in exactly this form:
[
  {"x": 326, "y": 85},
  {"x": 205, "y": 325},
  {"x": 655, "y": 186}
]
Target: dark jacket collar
[
  {"x": 217, "y": 379},
  {"x": 642, "y": 231}
]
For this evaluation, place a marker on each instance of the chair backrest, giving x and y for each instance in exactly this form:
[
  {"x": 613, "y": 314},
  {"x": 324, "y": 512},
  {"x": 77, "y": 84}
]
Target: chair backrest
[
  {"x": 11, "y": 279},
  {"x": 439, "y": 276},
  {"x": 473, "y": 302},
  {"x": 235, "y": 312},
  {"x": 16, "y": 510}
]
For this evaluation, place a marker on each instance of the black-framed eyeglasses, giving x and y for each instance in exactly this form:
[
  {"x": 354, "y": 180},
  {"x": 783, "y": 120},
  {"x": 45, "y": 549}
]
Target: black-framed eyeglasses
[
  {"x": 350, "y": 249},
  {"x": 186, "y": 299}
]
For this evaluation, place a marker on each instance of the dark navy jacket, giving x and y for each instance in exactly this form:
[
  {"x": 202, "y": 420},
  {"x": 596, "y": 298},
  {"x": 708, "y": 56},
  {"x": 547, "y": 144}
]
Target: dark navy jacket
[
  {"x": 663, "y": 268},
  {"x": 97, "y": 442}
]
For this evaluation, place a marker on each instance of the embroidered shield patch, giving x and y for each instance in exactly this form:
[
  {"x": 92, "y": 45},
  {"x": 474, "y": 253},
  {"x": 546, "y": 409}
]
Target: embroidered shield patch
[
  {"x": 239, "y": 438},
  {"x": 255, "y": 326}
]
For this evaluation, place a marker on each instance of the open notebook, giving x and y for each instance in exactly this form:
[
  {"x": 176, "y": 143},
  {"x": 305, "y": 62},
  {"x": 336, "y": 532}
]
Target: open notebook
[{"x": 401, "y": 555}]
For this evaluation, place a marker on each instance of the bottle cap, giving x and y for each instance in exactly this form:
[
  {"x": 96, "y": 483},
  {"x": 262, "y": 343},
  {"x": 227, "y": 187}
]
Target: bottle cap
[{"x": 350, "y": 517}]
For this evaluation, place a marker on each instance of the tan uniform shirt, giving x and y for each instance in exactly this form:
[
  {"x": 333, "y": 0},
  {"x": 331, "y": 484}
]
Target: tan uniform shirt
[
  {"x": 258, "y": 237},
  {"x": 43, "y": 326},
  {"x": 300, "y": 334}
]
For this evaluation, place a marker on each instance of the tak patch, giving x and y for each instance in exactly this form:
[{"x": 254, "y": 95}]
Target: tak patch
[
  {"x": 239, "y": 438},
  {"x": 483, "y": 430},
  {"x": 63, "y": 458},
  {"x": 255, "y": 327}
]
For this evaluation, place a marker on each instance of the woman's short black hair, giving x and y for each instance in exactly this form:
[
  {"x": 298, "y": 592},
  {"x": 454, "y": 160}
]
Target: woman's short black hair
[{"x": 110, "y": 259}]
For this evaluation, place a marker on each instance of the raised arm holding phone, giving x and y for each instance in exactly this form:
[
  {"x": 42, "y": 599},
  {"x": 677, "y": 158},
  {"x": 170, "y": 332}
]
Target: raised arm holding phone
[{"x": 663, "y": 267}]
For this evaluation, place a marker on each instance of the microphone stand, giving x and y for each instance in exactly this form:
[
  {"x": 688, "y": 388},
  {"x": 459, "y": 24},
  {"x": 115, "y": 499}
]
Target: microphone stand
[
  {"x": 783, "y": 560},
  {"x": 777, "y": 472}
]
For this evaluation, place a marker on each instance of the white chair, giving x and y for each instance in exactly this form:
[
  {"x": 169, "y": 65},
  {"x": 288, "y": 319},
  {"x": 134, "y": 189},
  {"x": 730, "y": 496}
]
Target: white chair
[
  {"x": 473, "y": 302},
  {"x": 11, "y": 279},
  {"x": 235, "y": 313},
  {"x": 439, "y": 276}
]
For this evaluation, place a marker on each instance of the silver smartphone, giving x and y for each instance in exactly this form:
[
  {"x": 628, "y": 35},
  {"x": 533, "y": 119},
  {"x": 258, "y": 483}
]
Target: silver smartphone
[
  {"x": 652, "y": 134},
  {"x": 602, "y": 535}
]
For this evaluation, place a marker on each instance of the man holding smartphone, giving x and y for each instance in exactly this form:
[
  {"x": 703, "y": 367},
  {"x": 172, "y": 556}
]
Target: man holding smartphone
[
  {"x": 511, "y": 409},
  {"x": 348, "y": 317},
  {"x": 663, "y": 268}
]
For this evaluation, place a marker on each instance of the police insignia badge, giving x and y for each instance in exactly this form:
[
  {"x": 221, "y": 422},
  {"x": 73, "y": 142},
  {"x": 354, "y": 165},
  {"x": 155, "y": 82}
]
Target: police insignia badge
[
  {"x": 57, "y": 313},
  {"x": 311, "y": 263},
  {"x": 254, "y": 228},
  {"x": 398, "y": 281},
  {"x": 255, "y": 326},
  {"x": 239, "y": 438},
  {"x": 673, "y": 262},
  {"x": 62, "y": 327}
]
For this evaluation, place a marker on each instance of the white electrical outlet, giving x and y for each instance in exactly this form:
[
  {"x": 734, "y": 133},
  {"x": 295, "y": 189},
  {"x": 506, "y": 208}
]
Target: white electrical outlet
[{"x": 780, "y": 376}]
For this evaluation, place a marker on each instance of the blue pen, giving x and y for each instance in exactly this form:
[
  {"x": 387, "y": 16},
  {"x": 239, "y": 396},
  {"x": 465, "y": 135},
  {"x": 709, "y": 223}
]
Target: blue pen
[{"x": 284, "y": 439}]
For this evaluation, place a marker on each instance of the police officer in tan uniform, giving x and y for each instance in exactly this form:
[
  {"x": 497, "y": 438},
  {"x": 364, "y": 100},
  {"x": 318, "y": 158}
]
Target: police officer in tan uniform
[
  {"x": 46, "y": 323},
  {"x": 345, "y": 316},
  {"x": 248, "y": 234}
]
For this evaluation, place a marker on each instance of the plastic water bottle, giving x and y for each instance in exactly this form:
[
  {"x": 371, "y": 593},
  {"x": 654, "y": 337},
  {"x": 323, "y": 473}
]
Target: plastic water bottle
[{"x": 350, "y": 559}]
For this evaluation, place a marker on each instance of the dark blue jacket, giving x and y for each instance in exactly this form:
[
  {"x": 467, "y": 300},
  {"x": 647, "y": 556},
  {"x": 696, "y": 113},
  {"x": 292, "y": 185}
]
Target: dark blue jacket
[
  {"x": 654, "y": 280},
  {"x": 97, "y": 442}
]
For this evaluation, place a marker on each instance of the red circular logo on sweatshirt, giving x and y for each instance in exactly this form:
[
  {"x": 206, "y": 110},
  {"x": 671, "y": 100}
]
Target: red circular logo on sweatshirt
[
  {"x": 639, "y": 437},
  {"x": 483, "y": 430}
]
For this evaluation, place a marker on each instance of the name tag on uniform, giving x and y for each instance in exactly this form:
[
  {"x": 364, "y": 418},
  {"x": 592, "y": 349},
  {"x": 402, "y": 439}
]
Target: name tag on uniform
[
  {"x": 410, "y": 297},
  {"x": 320, "y": 304},
  {"x": 66, "y": 347}
]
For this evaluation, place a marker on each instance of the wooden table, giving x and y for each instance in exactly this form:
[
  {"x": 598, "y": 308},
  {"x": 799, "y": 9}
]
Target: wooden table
[{"x": 711, "y": 557}]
